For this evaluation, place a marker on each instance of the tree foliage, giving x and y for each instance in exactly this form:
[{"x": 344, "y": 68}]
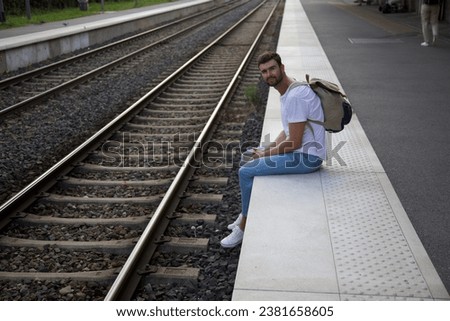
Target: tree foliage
[{"x": 17, "y": 7}]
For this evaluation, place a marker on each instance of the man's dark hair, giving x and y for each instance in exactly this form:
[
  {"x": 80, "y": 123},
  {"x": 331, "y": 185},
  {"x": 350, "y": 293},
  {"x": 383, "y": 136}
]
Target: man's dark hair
[{"x": 267, "y": 56}]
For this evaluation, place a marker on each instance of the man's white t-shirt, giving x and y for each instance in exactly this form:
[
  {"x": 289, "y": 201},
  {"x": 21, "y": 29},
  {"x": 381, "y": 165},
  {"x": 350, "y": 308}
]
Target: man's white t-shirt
[{"x": 298, "y": 104}]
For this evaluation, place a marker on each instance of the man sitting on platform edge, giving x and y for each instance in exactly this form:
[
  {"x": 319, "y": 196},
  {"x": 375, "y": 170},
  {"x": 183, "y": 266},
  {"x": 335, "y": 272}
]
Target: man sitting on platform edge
[{"x": 298, "y": 149}]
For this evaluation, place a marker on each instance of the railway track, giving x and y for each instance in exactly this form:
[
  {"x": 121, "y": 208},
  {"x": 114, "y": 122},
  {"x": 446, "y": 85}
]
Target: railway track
[
  {"x": 35, "y": 138},
  {"x": 87, "y": 228},
  {"x": 26, "y": 89}
]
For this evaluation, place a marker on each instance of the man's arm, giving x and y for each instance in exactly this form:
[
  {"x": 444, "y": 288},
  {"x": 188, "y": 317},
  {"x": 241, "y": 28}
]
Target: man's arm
[
  {"x": 284, "y": 144},
  {"x": 280, "y": 138}
]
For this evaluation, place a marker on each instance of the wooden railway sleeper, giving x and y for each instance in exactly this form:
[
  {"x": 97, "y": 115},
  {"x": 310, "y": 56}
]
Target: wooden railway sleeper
[{"x": 181, "y": 275}]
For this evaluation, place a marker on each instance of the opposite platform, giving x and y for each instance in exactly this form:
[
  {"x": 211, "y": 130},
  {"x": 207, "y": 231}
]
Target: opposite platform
[
  {"x": 337, "y": 234},
  {"x": 22, "y": 47}
]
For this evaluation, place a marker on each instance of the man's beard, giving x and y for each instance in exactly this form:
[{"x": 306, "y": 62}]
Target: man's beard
[{"x": 273, "y": 81}]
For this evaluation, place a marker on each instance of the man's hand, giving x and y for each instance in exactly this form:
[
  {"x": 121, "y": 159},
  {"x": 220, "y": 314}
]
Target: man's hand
[{"x": 258, "y": 153}]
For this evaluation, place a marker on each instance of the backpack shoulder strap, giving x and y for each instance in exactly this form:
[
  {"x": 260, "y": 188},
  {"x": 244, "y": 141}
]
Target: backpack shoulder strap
[
  {"x": 297, "y": 83},
  {"x": 312, "y": 82}
]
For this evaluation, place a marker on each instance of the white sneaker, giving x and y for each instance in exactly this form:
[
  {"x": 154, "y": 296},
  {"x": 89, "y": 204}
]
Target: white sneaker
[
  {"x": 235, "y": 223},
  {"x": 235, "y": 238},
  {"x": 424, "y": 44}
]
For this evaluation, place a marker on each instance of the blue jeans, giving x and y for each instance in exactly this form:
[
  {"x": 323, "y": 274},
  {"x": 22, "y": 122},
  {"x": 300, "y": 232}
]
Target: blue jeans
[{"x": 289, "y": 163}]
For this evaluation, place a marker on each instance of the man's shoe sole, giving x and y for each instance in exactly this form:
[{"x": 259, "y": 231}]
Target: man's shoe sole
[{"x": 228, "y": 246}]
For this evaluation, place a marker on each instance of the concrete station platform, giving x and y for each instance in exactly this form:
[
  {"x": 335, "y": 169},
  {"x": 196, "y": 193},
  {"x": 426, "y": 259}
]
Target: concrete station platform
[
  {"x": 340, "y": 233},
  {"x": 24, "y": 46}
]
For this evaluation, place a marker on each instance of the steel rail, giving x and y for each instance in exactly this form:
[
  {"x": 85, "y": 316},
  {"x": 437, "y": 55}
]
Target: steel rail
[
  {"x": 128, "y": 278},
  {"x": 23, "y": 198},
  {"x": 95, "y": 72}
]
